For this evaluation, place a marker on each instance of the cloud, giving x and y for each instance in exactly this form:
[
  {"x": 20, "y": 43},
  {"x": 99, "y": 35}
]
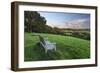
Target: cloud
[{"x": 78, "y": 24}]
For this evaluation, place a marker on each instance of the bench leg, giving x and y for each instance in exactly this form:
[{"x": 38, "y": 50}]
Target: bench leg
[
  {"x": 55, "y": 48},
  {"x": 46, "y": 50}
]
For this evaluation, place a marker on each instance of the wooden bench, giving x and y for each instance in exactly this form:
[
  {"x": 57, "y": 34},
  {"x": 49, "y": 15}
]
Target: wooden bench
[{"x": 47, "y": 45}]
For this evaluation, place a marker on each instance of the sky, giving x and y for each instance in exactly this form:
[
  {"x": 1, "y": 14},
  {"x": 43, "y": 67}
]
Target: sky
[{"x": 67, "y": 20}]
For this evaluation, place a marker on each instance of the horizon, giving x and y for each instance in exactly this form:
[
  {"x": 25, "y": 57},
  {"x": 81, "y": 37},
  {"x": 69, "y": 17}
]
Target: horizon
[{"x": 66, "y": 20}]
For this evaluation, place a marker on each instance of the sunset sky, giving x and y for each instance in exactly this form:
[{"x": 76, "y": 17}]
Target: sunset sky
[{"x": 67, "y": 20}]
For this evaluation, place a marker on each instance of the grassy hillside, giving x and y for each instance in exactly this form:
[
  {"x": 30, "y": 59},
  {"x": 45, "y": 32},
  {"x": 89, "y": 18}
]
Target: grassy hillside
[{"x": 67, "y": 47}]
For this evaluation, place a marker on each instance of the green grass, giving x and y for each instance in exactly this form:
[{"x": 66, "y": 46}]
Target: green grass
[{"x": 67, "y": 48}]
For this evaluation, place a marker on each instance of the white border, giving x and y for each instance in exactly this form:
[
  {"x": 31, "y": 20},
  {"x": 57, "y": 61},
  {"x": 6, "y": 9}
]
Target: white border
[{"x": 23, "y": 64}]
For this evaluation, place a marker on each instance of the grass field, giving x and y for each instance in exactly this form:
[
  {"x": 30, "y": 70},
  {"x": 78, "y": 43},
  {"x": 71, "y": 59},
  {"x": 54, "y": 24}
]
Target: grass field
[{"x": 67, "y": 48}]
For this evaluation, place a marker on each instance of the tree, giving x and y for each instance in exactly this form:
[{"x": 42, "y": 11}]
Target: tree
[{"x": 34, "y": 22}]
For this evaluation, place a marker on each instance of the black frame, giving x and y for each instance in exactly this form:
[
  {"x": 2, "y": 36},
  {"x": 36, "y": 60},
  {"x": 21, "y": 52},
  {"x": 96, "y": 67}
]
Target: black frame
[{"x": 15, "y": 39}]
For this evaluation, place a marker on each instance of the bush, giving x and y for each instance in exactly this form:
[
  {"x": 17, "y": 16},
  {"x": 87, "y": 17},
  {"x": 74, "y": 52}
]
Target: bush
[{"x": 83, "y": 35}]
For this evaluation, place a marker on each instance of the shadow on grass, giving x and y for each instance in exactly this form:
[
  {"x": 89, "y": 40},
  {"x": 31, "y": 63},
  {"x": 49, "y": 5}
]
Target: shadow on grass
[
  {"x": 37, "y": 53},
  {"x": 41, "y": 55}
]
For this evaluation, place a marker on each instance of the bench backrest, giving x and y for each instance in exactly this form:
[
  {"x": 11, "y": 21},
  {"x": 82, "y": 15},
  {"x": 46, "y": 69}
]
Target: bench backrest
[{"x": 43, "y": 40}]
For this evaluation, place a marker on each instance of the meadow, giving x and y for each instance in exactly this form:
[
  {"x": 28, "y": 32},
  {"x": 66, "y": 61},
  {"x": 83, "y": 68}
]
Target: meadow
[{"x": 68, "y": 47}]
